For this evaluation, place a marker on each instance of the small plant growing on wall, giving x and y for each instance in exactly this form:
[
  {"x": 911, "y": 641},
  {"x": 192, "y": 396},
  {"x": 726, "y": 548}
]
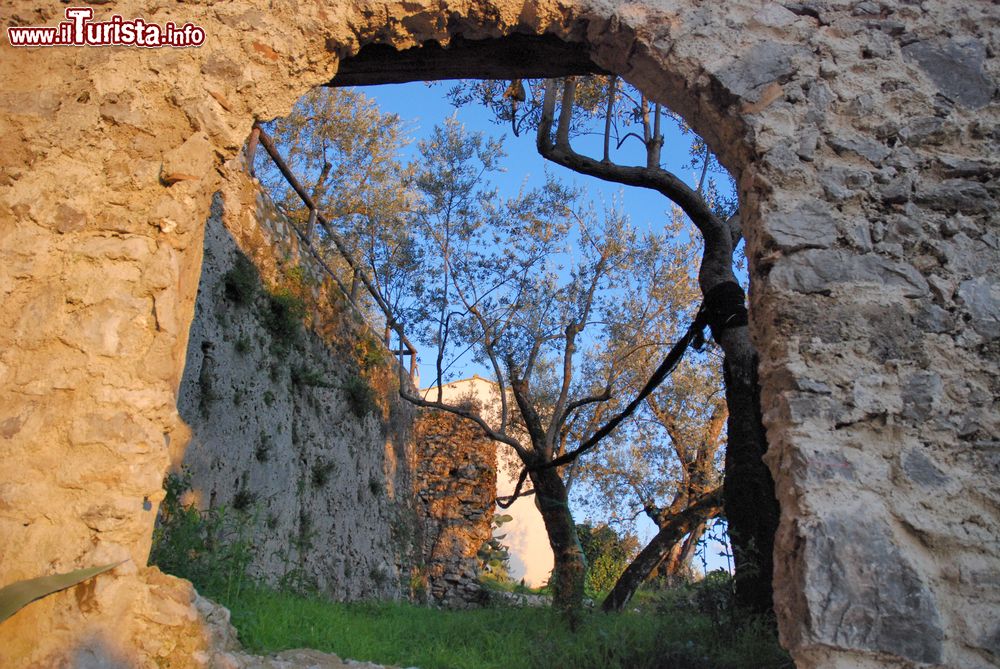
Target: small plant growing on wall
[
  {"x": 299, "y": 277},
  {"x": 282, "y": 316},
  {"x": 304, "y": 376},
  {"x": 242, "y": 345},
  {"x": 370, "y": 352},
  {"x": 360, "y": 397},
  {"x": 321, "y": 473},
  {"x": 418, "y": 584},
  {"x": 263, "y": 450},
  {"x": 375, "y": 486},
  {"x": 302, "y": 541},
  {"x": 241, "y": 282},
  {"x": 244, "y": 499},
  {"x": 378, "y": 576}
]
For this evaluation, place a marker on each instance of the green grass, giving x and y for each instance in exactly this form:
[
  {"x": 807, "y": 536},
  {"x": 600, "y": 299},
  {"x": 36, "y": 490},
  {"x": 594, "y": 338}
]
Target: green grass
[
  {"x": 502, "y": 637},
  {"x": 691, "y": 627}
]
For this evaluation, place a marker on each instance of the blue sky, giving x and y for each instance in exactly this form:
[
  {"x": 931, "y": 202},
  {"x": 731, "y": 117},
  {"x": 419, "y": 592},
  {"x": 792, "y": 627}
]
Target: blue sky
[{"x": 422, "y": 106}]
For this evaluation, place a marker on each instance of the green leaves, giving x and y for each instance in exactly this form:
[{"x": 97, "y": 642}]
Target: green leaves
[{"x": 17, "y": 595}]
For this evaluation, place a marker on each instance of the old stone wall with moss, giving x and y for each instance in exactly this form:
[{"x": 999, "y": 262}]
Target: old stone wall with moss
[{"x": 297, "y": 428}]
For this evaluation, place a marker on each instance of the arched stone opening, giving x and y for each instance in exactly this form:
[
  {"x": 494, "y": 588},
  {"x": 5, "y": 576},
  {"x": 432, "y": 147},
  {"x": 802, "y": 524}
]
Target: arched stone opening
[{"x": 866, "y": 197}]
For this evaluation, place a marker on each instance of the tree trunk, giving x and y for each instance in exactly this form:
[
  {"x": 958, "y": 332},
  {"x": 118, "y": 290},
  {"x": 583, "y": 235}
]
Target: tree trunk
[
  {"x": 751, "y": 508},
  {"x": 677, "y": 566},
  {"x": 655, "y": 551},
  {"x": 569, "y": 569},
  {"x": 671, "y": 564},
  {"x": 690, "y": 548}
]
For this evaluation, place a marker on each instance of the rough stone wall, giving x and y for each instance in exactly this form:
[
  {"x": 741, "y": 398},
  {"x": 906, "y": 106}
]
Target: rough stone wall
[
  {"x": 286, "y": 432},
  {"x": 876, "y": 305},
  {"x": 864, "y": 137},
  {"x": 455, "y": 483}
]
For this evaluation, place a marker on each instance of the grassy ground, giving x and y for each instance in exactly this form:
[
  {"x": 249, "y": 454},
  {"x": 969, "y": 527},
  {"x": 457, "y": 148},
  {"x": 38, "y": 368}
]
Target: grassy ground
[
  {"x": 690, "y": 627},
  {"x": 501, "y": 637}
]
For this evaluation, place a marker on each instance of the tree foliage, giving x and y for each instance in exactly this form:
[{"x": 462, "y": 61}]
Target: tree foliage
[
  {"x": 607, "y": 553},
  {"x": 346, "y": 152}
]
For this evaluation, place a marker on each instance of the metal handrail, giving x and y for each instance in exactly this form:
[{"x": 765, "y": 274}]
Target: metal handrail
[{"x": 259, "y": 136}]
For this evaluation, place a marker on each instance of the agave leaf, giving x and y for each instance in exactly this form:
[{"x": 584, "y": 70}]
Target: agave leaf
[{"x": 17, "y": 595}]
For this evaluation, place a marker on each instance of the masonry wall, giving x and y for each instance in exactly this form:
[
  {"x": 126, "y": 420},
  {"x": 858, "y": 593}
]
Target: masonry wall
[
  {"x": 455, "y": 484},
  {"x": 864, "y": 137},
  {"x": 297, "y": 427}
]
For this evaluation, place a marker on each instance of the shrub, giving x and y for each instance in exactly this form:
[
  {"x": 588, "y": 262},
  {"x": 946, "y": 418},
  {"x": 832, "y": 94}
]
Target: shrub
[
  {"x": 321, "y": 473},
  {"x": 241, "y": 282},
  {"x": 210, "y": 548},
  {"x": 360, "y": 396},
  {"x": 283, "y": 314},
  {"x": 603, "y": 573}
]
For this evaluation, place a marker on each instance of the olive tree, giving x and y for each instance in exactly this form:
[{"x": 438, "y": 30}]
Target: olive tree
[
  {"x": 558, "y": 109},
  {"x": 553, "y": 298}
]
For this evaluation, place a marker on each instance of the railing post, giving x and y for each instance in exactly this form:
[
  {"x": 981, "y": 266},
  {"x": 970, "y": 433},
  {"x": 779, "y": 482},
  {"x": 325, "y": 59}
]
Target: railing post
[
  {"x": 311, "y": 226},
  {"x": 252, "y": 147},
  {"x": 399, "y": 335}
]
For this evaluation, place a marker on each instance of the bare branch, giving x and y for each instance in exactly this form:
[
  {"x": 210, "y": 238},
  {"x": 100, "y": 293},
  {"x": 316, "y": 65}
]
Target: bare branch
[
  {"x": 704, "y": 171},
  {"x": 584, "y": 401},
  {"x": 626, "y": 136},
  {"x": 566, "y": 111},
  {"x": 612, "y": 94},
  {"x": 655, "y": 143},
  {"x": 735, "y": 226}
]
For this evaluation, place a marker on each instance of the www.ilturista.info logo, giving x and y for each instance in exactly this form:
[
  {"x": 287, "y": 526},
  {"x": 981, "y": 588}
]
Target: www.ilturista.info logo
[{"x": 79, "y": 30}]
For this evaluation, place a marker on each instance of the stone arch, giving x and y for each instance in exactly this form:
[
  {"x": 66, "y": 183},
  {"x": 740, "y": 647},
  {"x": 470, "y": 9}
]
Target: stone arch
[{"x": 861, "y": 172}]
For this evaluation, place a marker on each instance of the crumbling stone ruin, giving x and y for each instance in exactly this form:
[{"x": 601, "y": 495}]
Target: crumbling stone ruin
[
  {"x": 456, "y": 482},
  {"x": 864, "y": 139}
]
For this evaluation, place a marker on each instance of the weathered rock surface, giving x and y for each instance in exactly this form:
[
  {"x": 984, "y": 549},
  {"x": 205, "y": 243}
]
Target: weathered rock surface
[{"x": 101, "y": 244}]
